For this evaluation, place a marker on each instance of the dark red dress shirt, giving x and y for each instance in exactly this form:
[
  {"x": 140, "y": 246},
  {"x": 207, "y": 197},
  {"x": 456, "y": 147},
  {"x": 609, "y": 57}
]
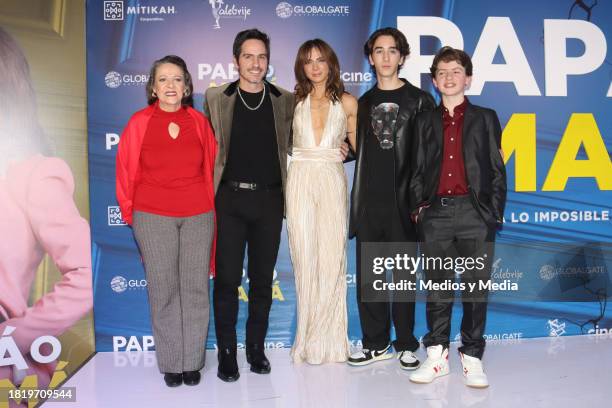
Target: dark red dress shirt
[{"x": 452, "y": 173}]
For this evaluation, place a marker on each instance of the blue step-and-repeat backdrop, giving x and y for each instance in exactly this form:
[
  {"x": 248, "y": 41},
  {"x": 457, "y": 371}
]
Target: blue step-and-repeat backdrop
[{"x": 544, "y": 66}]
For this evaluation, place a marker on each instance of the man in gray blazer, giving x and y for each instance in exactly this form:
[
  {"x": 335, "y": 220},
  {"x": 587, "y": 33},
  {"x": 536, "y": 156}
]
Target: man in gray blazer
[{"x": 256, "y": 117}]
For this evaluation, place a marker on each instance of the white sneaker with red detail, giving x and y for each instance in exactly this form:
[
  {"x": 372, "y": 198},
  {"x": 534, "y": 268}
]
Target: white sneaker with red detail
[
  {"x": 473, "y": 372},
  {"x": 436, "y": 365}
]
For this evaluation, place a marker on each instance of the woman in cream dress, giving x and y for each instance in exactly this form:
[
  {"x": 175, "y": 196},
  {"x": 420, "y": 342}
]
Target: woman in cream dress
[{"x": 316, "y": 203}]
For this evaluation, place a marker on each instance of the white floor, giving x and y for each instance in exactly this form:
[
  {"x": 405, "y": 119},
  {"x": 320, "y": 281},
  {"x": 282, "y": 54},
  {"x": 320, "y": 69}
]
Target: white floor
[{"x": 549, "y": 372}]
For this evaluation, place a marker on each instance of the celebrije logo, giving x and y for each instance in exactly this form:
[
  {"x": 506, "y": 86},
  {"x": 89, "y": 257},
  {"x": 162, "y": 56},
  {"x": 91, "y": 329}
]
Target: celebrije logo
[{"x": 223, "y": 10}]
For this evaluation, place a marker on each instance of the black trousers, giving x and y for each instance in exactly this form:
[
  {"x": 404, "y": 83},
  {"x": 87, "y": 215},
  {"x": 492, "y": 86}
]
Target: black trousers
[
  {"x": 253, "y": 219},
  {"x": 383, "y": 225},
  {"x": 454, "y": 228}
]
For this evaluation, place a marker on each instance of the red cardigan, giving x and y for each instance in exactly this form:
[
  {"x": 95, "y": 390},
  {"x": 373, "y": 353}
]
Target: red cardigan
[{"x": 128, "y": 162}]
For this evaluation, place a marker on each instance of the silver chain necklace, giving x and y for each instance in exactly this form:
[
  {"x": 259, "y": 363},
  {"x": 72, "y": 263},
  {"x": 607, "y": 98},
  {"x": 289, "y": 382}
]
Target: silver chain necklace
[{"x": 260, "y": 102}]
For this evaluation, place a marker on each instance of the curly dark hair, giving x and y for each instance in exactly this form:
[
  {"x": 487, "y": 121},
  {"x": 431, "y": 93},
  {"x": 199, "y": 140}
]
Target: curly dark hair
[{"x": 448, "y": 54}]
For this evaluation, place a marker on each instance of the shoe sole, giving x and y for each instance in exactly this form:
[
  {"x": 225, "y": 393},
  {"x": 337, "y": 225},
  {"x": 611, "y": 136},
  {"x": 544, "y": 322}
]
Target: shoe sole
[
  {"x": 477, "y": 386},
  {"x": 228, "y": 379},
  {"x": 174, "y": 385},
  {"x": 382, "y": 357},
  {"x": 410, "y": 368},
  {"x": 260, "y": 371},
  {"x": 428, "y": 382}
]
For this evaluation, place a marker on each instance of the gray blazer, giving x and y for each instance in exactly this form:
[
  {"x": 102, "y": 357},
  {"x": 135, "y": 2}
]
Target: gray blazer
[{"x": 219, "y": 108}]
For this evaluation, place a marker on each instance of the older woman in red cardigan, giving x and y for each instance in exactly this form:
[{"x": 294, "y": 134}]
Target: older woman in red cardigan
[{"x": 165, "y": 190}]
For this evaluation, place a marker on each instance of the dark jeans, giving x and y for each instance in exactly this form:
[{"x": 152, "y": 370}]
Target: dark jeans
[
  {"x": 451, "y": 230},
  {"x": 384, "y": 225},
  {"x": 254, "y": 218}
]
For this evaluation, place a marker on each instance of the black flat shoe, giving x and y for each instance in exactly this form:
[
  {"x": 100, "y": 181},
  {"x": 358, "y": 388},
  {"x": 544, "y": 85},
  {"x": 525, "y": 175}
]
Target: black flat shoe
[
  {"x": 191, "y": 377},
  {"x": 257, "y": 359},
  {"x": 173, "y": 379},
  {"x": 228, "y": 366}
]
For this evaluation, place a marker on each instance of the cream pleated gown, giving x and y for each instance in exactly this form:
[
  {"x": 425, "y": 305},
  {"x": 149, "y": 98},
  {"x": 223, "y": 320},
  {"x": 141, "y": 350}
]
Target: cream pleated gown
[{"x": 316, "y": 204}]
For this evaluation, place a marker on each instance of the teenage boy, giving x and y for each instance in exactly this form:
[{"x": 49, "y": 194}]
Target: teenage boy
[
  {"x": 458, "y": 194},
  {"x": 380, "y": 210}
]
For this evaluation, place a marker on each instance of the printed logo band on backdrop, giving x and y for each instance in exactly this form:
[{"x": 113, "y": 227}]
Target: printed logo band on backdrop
[{"x": 542, "y": 66}]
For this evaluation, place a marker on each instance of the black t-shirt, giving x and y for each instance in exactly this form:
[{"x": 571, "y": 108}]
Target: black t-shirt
[
  {"x": 380, "y": 147},
  {"x": 253, "y": 153}
]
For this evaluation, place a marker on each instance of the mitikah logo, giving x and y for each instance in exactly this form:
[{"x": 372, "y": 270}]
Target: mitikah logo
[
  {"x": 113, "y": 10},
  {"x": 114, "y": 216},
  {"x": 222, "y": 10},
  {"x": 556, "y": 328},
  {"x": 286, "y": 10}
]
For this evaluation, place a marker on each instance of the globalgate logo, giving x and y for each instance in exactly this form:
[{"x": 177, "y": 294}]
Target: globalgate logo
[
  {"x": 286, "y": 10},
  {"x": 119, "y": 284},
  {"x": 114, "y": 79},
  {"x": 548, "y": 272}
]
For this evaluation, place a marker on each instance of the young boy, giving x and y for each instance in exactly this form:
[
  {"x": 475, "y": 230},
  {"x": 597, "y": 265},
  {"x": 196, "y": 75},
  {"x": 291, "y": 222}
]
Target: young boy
[
  {"x": 457, "y": 194},
  {"x": 380, "y": 211}
]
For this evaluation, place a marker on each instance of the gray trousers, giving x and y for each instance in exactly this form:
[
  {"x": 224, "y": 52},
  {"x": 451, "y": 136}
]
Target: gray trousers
[{"x": 176, "y": 255}]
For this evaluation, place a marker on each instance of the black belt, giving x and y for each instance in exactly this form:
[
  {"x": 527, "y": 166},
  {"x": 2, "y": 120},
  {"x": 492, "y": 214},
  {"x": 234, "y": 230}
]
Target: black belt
[
  {"x": 239, "y": 185},
  {"x": 451, "y": 200}
]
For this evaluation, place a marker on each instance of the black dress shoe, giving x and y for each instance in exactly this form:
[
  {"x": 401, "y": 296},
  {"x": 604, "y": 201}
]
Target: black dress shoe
[
  {"x": 257, "y": 359},
  {"x": 191, "y": 377},
  {"x": 173, "y": 379},
  {"x": 228, "y": 366}
]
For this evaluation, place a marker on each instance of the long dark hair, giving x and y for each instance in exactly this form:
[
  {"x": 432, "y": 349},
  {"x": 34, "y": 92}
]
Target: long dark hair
[
  {"x": 334, "y": 87},
  {"x": 20, "y": 131},
  {"x": 179, "y": 62}
]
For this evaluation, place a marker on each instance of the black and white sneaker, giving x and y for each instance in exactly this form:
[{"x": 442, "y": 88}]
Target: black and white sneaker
[
  {"x": 408, "y": 360},
  {"x": 366, "y": 356}
]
